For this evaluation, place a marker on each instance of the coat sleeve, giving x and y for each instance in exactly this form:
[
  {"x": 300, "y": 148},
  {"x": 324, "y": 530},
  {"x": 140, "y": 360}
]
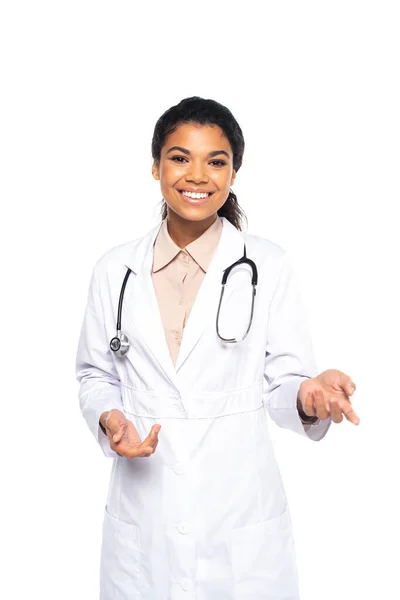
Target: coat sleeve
[
  {"x": 289, "y": 358},
  {"x": 99, "y": 384}
]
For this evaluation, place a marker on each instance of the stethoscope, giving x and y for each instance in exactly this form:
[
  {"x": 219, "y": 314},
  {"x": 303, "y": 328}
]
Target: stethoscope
[{"x": 120, "y": 343}]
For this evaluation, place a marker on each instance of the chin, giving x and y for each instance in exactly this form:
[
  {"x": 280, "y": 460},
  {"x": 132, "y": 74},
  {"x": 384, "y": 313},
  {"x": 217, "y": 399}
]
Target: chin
[
  {"x": 195, "y": 213},
  {"x": 191, "y": 212}
]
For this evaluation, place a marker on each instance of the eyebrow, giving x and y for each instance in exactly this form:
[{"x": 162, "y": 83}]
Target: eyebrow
[{"x": 185, "y": 151}]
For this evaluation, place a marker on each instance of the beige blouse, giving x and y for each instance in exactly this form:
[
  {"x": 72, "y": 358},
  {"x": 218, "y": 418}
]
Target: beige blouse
[{"x": 177, "y": 275}]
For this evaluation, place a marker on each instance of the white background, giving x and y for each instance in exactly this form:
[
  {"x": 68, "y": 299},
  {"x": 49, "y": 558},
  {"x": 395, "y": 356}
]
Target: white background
[{"x": 315, "y": 88}]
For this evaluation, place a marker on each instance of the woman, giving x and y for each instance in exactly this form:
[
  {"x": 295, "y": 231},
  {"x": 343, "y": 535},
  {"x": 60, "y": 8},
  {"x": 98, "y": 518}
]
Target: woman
[{"x": 206, "y": 515}]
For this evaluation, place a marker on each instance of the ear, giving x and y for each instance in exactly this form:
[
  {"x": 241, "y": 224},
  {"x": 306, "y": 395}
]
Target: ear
[
  {"x": 155, "y": 171},
  {"x": 233, "y": 176}
]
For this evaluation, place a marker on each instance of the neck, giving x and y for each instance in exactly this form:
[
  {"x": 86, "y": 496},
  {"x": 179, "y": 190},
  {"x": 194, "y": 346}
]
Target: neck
[{"x": 183, "y": 231}]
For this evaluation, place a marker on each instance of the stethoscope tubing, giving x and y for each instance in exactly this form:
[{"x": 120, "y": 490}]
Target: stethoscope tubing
[{"x": 120, "y": 343}]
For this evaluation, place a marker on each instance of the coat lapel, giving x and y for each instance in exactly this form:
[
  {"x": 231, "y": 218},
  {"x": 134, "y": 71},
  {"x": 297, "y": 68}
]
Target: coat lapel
[
  {"x": 141, "y": 305},
  {"x": 204, "y": 309}
]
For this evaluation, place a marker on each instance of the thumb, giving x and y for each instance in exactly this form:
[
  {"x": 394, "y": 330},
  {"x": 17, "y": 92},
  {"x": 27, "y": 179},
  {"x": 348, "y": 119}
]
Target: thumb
[{"x": 120, "y": 432}]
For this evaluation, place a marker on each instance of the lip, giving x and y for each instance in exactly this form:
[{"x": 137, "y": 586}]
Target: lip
[
  {"x": 196, "y": 190},
  {"x": 195, "y": 201}
]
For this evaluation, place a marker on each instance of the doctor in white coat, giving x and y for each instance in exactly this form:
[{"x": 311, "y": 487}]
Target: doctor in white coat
[{"x": 196, "y": 507}]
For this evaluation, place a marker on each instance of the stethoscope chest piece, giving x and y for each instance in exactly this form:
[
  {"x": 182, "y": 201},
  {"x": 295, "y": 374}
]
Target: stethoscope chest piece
[{"x": 120, "y": 344}]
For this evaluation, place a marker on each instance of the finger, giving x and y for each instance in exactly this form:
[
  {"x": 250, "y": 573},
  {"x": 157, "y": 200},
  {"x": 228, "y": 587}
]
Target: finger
[
  {"x": 153, "y": 435},
  {"x": 140, "y": 452},
  {"x": 149, "y": 448},
  {"x": 155, "y": 443},
  {"x": 148, "y": 451},
  {"x": 309, "y": 405},
  {"x": 155, "y": 429},
  {"x": 117, "y": 436},
  {"x": 154, "y": 440},
  {"x": 350, "y": 387},
  {"x": 335, "y": 409},
  {"x": 320, "y": 405},
  {"x": 154, "y": 447},
  {"x": 349, "y": 413},
  {"x": 126, "y": 451},
  {"x": 149, "y": 445},
  {"x": 145, "y": 449},
  {"x": 120, "y": 449},
  {"x": 112, "y": 422}
]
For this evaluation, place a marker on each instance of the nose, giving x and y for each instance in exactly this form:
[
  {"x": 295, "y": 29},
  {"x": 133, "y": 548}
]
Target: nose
[{"x": 196, "y": 173}]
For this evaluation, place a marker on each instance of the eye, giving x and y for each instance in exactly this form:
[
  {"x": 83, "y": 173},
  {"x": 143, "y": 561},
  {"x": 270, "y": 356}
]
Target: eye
[
  {"x": 181, "y": 159},
  {"x": 178, "y": 157}
]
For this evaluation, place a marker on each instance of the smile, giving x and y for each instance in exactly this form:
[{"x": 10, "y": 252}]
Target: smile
[
  {"x": 195, "y": 195},
  {"x": 195, "y": 198}
]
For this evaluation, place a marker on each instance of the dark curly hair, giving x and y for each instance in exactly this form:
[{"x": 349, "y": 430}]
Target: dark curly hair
[{"x": 204, "y": 112}]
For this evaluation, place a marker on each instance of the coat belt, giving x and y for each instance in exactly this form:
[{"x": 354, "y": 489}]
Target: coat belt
[{"x": 148, "y": 403}]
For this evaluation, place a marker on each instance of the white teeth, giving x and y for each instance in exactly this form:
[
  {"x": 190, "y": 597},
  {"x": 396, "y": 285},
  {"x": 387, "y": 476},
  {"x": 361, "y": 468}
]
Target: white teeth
[{"x": 195, "y": 194}]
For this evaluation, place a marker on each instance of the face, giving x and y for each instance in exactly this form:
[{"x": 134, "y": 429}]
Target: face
[{"x": 195, "y": 159}]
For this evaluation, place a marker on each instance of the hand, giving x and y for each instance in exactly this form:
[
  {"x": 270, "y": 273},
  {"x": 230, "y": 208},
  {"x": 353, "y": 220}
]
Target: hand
[
  {"x": 328, "y": 394},
  {"x": 124, "y": 438}
]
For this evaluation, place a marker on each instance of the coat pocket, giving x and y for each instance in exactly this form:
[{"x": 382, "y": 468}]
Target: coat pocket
[
  {"x": 263, "y": 560},
  {"x": 120, "y": 562}
]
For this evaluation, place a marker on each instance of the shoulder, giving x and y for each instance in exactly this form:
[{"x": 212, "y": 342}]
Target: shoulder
[
  {"x": 128, "y": 254},
  {"x": 116, "y": 258},
  {"x": 267, "y": 252},
  {"x": 275, "y": 264}
]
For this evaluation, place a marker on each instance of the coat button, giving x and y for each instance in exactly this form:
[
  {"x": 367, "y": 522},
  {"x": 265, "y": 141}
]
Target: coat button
[
  {"x": 185, "y": 584},
  {"x": 183, "y": 528},
  {"x": 178, "y": 468}
]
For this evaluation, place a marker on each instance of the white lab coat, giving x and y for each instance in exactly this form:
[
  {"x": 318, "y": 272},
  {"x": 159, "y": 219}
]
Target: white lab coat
[{"x": 206, "y": 516}]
